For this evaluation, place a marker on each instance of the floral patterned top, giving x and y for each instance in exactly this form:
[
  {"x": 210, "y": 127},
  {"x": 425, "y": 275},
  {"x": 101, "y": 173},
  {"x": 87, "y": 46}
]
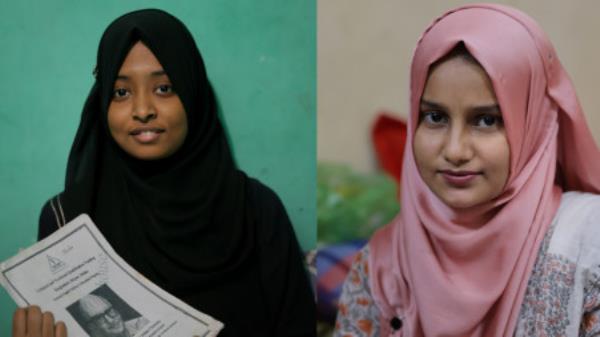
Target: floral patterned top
[{"x": 563, "y": 292}]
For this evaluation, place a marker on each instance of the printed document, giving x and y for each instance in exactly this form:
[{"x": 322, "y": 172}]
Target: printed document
[{"x": 76, "y": 275}]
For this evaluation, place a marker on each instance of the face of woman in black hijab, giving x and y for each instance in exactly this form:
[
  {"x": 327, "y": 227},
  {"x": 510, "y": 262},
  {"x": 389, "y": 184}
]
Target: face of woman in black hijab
[{"x": 146, "y": 118}]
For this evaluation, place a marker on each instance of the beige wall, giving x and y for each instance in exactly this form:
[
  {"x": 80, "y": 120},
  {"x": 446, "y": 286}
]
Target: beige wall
[{"x": 364, "y": 50}]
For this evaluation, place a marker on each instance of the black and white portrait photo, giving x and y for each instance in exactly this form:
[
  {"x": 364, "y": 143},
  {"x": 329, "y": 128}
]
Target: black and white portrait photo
[{"x": 102, "y": 313}]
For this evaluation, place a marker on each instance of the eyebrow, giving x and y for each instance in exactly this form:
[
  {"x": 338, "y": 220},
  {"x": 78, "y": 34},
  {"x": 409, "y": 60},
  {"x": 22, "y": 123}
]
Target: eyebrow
[
  {"x": 156, "y": 73},
  {"x": 432, "y": 105},
  {"x": 483, "y": 109}
]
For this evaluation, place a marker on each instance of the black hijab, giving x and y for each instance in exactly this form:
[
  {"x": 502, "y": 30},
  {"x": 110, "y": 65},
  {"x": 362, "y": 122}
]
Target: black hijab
[{"x": 184, "y": 221}]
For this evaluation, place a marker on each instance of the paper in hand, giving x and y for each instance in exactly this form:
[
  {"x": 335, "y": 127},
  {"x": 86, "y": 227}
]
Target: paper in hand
[{"x": 76, "y": 275}]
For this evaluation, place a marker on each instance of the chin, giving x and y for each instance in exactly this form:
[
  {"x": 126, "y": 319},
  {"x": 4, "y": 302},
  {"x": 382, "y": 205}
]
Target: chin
[
  {"x": 460, "y": 200},
  {"x": 459, "y": 204},
  {"x": 147, "y": 155}
]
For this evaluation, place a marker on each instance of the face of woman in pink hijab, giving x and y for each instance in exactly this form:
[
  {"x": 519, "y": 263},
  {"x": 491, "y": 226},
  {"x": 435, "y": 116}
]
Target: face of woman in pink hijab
[{"x": 460, "y": 143}]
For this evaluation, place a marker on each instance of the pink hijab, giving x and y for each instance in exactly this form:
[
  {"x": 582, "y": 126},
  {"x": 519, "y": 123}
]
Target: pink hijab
[{"x": 441, "y": 276}]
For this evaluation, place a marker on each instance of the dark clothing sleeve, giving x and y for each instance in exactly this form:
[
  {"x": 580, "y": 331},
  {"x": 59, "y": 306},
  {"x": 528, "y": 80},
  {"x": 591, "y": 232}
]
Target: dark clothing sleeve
[
  {"x": 286, "y": 284},
  {"x": 47, "y": 224}
]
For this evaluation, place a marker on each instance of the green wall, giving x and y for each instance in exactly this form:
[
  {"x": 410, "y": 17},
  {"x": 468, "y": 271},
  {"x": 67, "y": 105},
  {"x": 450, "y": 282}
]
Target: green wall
[{"x": 260, "y": 57}]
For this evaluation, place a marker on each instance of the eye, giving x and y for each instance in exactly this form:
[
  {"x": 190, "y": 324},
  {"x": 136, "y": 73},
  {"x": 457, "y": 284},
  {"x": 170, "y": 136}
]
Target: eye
[
  {"x": 111, "y": 312},
  {"x": 488, "y": 121},
  {"x": 120, "y": 93},
  {"x": 164, "y": 89},
  {"x": 434, "y": 118}
]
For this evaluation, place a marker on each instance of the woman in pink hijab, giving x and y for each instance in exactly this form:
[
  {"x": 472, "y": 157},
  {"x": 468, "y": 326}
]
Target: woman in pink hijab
[{"x": 500, "y": 223}]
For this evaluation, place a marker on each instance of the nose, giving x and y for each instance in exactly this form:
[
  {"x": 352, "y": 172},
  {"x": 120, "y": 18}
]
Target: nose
[
  {"x": 143, "y": 108},
  {"x": 458, "y": 146}
]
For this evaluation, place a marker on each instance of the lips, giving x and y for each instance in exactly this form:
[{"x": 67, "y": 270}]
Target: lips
[
  {"x": 146, "y": 135},
  {"x": 459, "y": 178}
]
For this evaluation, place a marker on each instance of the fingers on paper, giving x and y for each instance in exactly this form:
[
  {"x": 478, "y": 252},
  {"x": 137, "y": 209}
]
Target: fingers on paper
[{"x": 31, "y": 322}]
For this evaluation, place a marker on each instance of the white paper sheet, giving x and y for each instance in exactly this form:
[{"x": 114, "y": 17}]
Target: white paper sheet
[{"x": 75, "y": 274}]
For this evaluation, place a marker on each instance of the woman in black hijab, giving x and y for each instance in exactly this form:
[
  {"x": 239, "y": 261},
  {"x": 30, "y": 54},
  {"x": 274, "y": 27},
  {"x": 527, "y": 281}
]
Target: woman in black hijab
[{"x": 163, "y": 188}]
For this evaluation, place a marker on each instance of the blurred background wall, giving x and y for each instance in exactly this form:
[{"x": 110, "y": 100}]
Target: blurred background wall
[
  {"x": 260, "y": 57},
  {"x": 364, "y": 49}
]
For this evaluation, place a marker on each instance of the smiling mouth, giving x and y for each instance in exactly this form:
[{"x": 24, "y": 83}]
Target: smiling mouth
[{"x": 146, "y": 135}]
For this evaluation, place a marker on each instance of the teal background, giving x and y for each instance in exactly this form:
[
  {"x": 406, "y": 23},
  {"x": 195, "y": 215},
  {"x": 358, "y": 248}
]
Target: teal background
[{"x": 260, "y": 56}]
